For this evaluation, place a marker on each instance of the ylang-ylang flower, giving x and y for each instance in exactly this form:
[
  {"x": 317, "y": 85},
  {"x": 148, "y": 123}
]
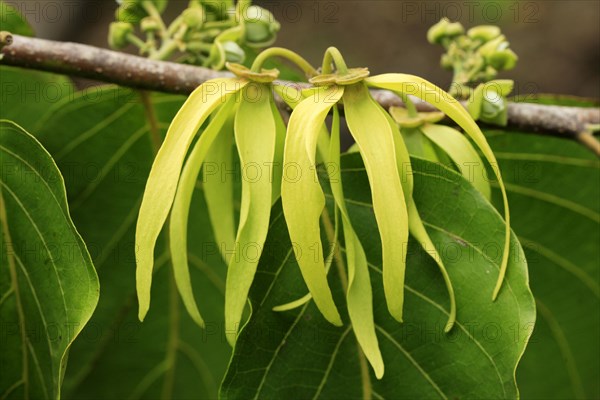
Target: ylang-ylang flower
[{"x": 242, "y": 110}]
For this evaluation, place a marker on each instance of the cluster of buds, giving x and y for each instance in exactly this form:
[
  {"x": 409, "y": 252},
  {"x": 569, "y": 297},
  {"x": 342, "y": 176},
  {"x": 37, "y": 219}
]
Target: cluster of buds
[
  {"x": 207, "y": 33},
  {"x": 476, "y": 55}
]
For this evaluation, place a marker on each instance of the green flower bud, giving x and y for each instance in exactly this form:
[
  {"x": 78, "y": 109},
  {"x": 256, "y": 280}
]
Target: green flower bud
[
  {"x": 444, "y": 29},
  {"x": 485, "y": 33},
  {"x": 261, "y": 27},
  {"x": 488, "y": 74},
  {"x": 234, "y": 53},
  {"x": 493, "y": 46},
  {"x": 494, "y": 110},
  {"x": 447, "y": 62},
  {"x": 193, "y": 18},
  {"x": 454, "y": 29},
  {"x": 118, "y": 33},
  {"x": 503, "y": 60},
  {"x": 133, "y": 11},
  {"x": 149, "y": 24}
]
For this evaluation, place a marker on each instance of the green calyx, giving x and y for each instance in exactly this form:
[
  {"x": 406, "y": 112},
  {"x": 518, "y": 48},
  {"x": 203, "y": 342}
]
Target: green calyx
[
  {"x": 264, "y": 76},
  {"x": 342, "y": 75},
  {"x": 404, "y": 119},
  {"x": 354, "y": 75}
]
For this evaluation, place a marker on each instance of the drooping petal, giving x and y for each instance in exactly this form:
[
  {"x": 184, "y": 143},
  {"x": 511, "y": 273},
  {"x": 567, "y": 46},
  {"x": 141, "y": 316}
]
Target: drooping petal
[
  {"x": 218, "y": 182},
  {"x": 410, "y": 84},
  {"x": 415, "y": 224},
  {"x": 419, "y": 145},
  {"x": 402, "y": 157},
  {"x": 462, "y": 154},
  {"x": 359, "y": 294},
  {"x": 214, "y": 134},
  {"x": 162, "y": 182},
  {"x": 255, "y": 136},
  {"x": 279, "y": 149},
  {"x": 292, "y": 97},
  {"x": 417, "y": 229},
  {"x": 302, "y": 196},
  {"x": 373, "y": 134}
]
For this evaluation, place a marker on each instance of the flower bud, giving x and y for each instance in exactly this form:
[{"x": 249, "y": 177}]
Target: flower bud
[
  {"x": 444, "y": 29},
  {"x": 503, "y": 60},
  {"x": 193, "y": 18},
  {"x": 497, "y": 44},
  {"x": 132, "y": 11},
  {"x": 149, "y": 24},
  {"x": 118, "y": 33},
  {"x": 234, "y": 53},
  {"x": 447, "y": 62},
  {"x": 493, "y": 109},
  {"x": 261, "y": 27},
  {"x": 485, "y": 33}
]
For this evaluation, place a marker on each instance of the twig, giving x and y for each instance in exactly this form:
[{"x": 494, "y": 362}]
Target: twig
[{"x": 141, "y": 73}]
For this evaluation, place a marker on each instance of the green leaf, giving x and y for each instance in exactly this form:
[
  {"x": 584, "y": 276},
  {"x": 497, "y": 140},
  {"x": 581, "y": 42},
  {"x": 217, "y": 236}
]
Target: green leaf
[
  {"x": 410, "y": 84},
  {"x": 27, "y": 95},
  {"x": 105, "y": 154},
  {"x": 13, "y": 21},
  {"x": 255, "y": 137},
  {"x": 302, "y": 196},
  {"x": 554, "y": 197},
  {"x": 372, "y": 131},
  {"x": 49, "y": 286},
  {"x": 298, "y": 354},
  {"x": 162, "y": 182}
]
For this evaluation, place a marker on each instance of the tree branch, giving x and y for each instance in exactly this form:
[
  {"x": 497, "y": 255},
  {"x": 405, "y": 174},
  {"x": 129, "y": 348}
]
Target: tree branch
[{"x": 141, "y": 73}]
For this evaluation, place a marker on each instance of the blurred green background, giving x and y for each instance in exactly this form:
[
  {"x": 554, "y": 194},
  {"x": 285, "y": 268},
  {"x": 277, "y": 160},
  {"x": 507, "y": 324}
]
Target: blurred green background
[{"x": 558, "y": 42}]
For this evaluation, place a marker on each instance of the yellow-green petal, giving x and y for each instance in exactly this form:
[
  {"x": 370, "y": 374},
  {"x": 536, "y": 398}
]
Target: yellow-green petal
[
  {"x": 302, "y": 196},
  {"x": 280, "y": 129},
  {"x": 359, "y": 294},
  {"x": 402, "y": 158},
  {"x": 328, "y": 261},
  {"x": 417, "y": 229},
  {"x": 415, "y": 224},
  {"x": 370, "y": 127},
  {"x": 217, "y": 182},
  {"x": 255, "y": 136},
  {"x": 178, "y": 222},
  {"x": 164, "y": 175},
  {"x": 410, "y": 84},
  {"x": 462, "y": 153}
]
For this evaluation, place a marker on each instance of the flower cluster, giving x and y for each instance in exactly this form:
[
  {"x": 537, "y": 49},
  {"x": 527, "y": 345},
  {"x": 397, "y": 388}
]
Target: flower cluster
[
  {"x": 243, "y": 110},
  {"x": 476, "y": 57},
  {"x": 208, "y": 33}
]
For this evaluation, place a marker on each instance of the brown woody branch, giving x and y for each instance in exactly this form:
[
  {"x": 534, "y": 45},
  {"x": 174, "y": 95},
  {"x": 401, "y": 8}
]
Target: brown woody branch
[{"x": 141, "y": 73}]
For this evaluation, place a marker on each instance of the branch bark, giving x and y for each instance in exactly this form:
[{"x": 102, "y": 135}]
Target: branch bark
[{"x": 141, "y": 73}]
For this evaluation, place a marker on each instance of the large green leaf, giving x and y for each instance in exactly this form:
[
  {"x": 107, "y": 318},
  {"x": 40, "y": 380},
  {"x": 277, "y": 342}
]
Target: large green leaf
[
  {"x": 27, "y": 95},
  {"x": 297, "y": 354},
  {"x": 13, "y": 21},
  {"x": 104, "y": 149},
  {"x": 49, "y": 287},
  {"x": 554, "y": 193}
]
